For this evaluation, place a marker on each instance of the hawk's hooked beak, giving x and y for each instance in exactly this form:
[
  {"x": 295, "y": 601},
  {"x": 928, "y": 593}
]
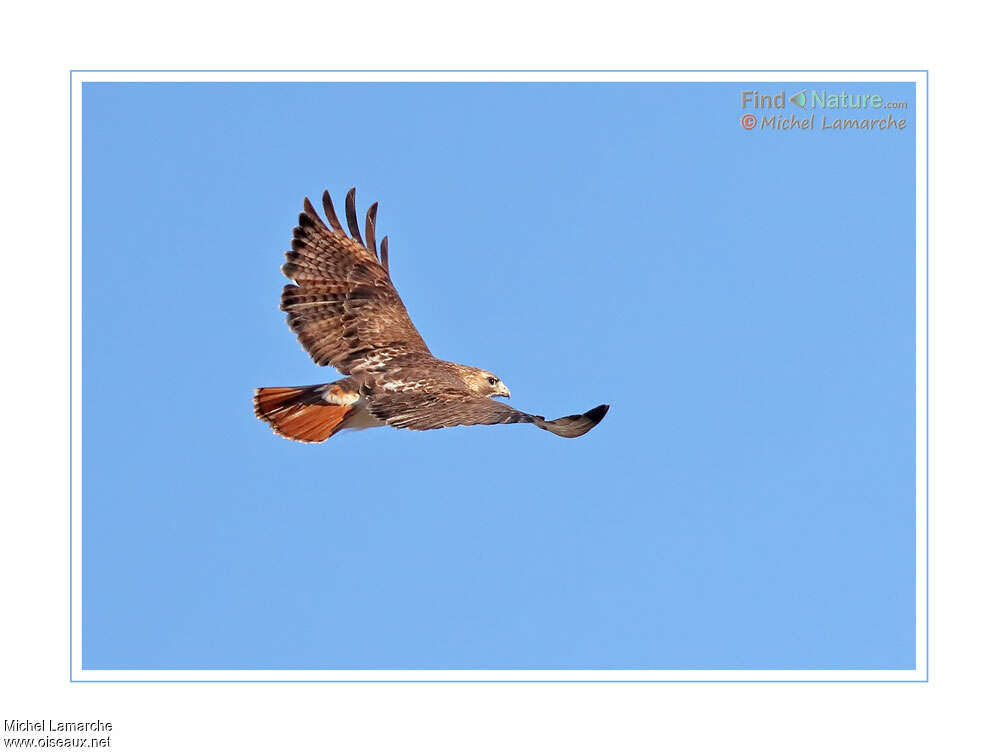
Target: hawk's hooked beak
[{"x": 504, "y": 391}]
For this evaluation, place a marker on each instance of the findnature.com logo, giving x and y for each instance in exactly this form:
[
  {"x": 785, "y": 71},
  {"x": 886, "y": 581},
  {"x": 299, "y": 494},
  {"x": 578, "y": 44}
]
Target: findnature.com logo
[{"x": 819, "y": 101}]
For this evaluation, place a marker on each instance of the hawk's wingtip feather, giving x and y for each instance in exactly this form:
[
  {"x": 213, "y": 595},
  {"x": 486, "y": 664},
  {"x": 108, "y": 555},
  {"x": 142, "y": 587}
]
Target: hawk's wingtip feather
[
  {"x": 351, "y": 207},
  {"x": 597, "y": 414}
]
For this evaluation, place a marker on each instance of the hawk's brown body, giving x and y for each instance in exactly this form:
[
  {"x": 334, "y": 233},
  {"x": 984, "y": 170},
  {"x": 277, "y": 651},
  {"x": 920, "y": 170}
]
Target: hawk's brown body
[{"x": 347, "y": 313}]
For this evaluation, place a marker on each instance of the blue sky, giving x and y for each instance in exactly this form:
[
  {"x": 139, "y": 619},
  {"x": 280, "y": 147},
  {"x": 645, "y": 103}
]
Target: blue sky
[{"x": 744, "y": 300}]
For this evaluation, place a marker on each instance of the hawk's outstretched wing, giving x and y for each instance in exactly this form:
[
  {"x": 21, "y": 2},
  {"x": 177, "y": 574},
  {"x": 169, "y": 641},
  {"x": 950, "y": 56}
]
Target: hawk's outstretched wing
[
  {"x": 439, "y": 410},
  {"x": 343, "y": 307}
]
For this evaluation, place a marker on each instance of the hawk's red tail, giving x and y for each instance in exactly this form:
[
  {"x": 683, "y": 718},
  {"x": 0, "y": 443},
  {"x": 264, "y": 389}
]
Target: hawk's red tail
[{"x": 299, "y": 413}]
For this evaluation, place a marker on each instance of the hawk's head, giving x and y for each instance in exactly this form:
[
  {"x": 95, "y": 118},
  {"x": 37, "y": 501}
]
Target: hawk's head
[{"x": 484, "y": 383}]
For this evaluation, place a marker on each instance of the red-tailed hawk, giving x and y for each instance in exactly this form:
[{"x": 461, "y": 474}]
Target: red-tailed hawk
[{"x": 347, "y": 314}]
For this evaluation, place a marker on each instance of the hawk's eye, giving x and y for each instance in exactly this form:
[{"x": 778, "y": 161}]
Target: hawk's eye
[{"x": 493, "y": 381}]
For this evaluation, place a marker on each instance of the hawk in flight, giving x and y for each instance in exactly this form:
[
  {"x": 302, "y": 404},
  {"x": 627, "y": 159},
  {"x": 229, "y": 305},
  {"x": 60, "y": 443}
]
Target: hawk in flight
[{"x": 347, "y": 314}]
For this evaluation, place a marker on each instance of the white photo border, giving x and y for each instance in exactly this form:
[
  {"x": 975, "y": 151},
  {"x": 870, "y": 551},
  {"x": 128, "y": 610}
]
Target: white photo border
[{"x": 78, "y": 674}]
